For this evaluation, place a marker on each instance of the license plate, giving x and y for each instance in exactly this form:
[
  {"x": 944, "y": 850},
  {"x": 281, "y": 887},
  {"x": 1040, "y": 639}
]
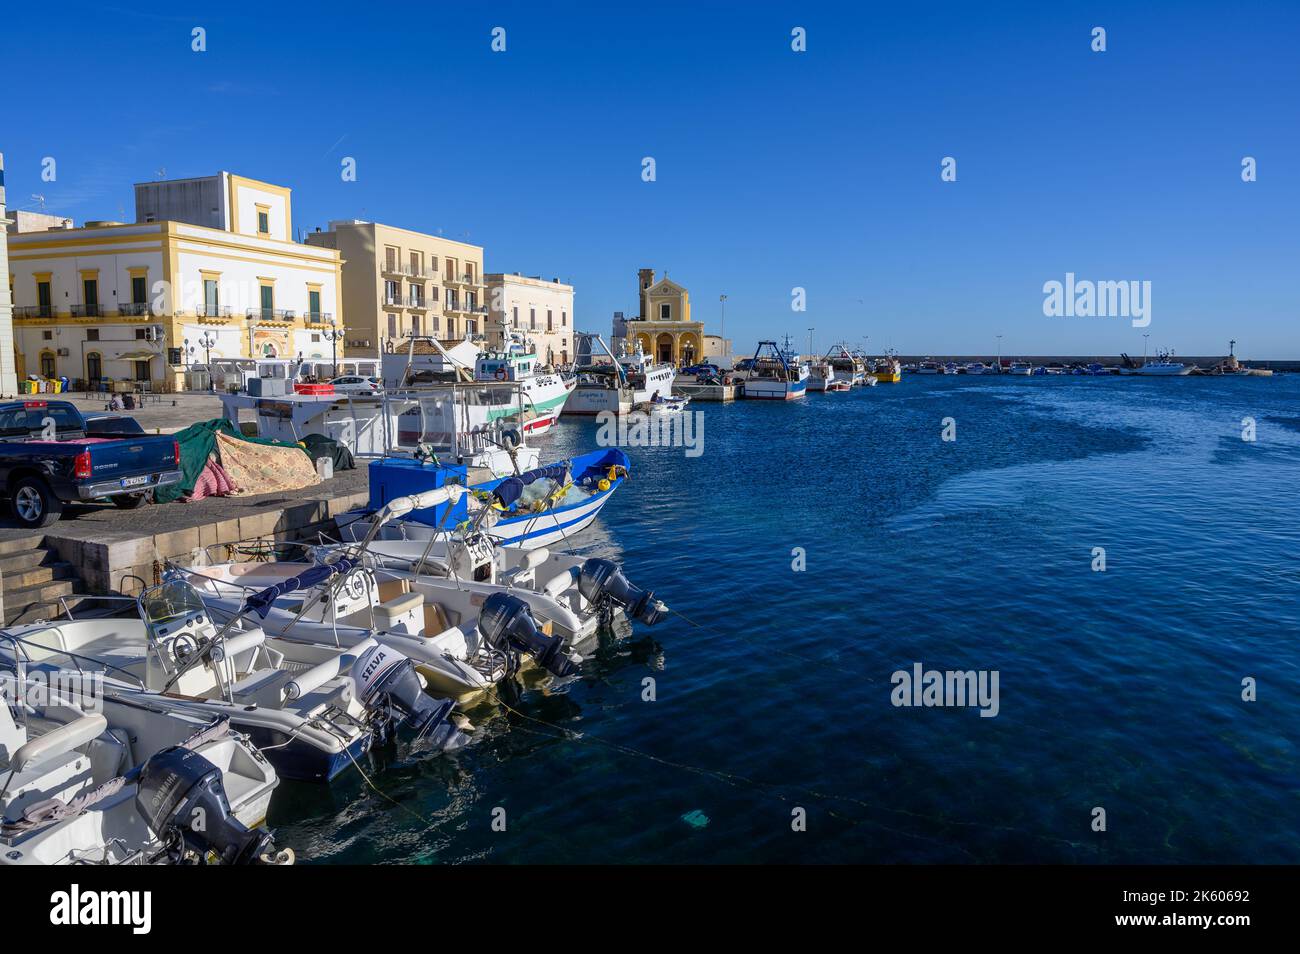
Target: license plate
[{"x": 135, "y": 481}]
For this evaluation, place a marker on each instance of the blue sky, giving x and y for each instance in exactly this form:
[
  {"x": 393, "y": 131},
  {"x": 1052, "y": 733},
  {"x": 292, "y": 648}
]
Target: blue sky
[{"x": 775, "y": 169}]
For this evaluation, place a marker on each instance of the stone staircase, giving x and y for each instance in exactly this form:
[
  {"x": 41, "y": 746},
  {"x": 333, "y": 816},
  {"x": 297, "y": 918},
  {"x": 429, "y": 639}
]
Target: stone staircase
[{"x": 33, "y": 579}]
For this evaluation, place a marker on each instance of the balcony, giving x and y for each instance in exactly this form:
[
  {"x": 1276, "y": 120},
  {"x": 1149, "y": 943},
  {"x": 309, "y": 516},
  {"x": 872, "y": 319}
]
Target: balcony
[
  {"x": 213, "y": 311},
  {"x": 421, "y": 304},
  {"x": 318, "y": 318},
  {"x": 270, "y": 314},
  {"x": 134, "y": 309},
  {"x": 33, "y": 311},
  {"x": 89, "y": 311},
  {"x": 394, "y": 268},
  {"x": 394, "y": 301}
]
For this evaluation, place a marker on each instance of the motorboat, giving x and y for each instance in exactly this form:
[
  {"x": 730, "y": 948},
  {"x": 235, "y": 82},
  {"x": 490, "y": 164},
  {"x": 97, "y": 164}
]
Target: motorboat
[
  {"x": 929, "y": 366},
  {"x": 1163, "y": 365},
  {"x": 978, "y": 367},
  {"x": 121, "y": 782},
  {"x": 845, "y": 365},
  {"x": 837, "y": 387},
  {"x": 468, "y": 613},
  {"x": 672, "y": 404},
  {"x": 1021, "y": 368},
  {"x": 311, "y": 709}
]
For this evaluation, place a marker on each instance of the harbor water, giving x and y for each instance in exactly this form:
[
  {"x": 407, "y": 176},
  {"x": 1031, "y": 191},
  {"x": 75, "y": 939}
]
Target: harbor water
[{"x": 817, "y": 547}]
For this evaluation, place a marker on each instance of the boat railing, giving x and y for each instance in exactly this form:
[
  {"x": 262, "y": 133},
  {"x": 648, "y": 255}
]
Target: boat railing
[{"x": 22, "y": 656}]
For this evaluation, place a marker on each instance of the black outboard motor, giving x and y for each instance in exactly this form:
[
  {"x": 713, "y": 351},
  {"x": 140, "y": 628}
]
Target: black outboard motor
[
  {"x": 388, "y": 684},
  {"x": 602, "y": 582},
  {"x": 179, "y": 793},
  {"x": 507, "y": 623}
]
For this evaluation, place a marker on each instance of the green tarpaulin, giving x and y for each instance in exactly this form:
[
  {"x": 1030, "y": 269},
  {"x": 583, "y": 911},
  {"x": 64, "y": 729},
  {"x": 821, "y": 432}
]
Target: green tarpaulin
[{"x": 197, "y": 442}]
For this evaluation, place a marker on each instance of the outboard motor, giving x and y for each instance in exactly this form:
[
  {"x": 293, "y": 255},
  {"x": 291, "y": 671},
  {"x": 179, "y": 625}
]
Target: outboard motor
[
  {"x": 388, "y": 684},
  {"x": 602, "y": 582},
  {"x": 507, "y": 623},
  {"x": 180, "y": 795}
]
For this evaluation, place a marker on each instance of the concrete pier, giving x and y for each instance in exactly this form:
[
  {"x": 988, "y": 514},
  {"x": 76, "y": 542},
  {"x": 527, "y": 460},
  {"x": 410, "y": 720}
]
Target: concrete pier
[{"x": 705, "y": 392}]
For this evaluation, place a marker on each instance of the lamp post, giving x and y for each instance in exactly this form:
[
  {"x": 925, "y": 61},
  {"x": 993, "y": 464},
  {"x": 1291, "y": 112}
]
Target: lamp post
[
  {"x": 1144, "y": 347},
  {"x": 810, "y": 342},
  {"x": 999, "y": 368},
  {"x": 207, "y": 341},
  {"x": 722, "y": 324},
  {"x": 332, "y": 335}
]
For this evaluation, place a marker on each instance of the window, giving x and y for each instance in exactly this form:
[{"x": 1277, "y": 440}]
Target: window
[
  {"x": 90, "y": 289},
  {"x": 315, "y": 338},
  {"x": 390, "y": 259},
  {"x": 263, "y": 221},
  {"x": 392, "y": 292},
  {"x": 313, "y": 303},
  {"x": 43, "y": 299},
  {"x": 451, "y": 327},
  {"x": 433, "y": 325},
  {"x": 47, "y": 335},
  {"x": 665, "y": 312},
  {"x": 142, "y": 370},
  {"x": 174, "y": 355},
  {"x": 268, "y": 300},
  {"x": 92, "y": 334},
  {"x": 47, "y": 364},
  {"x": 392, "y": 326},
  {"x": 550, "y": 322},
  {"x": 416, "y": 268},
  {"x": 417, "y": 295},
  {"x": 564, "y": 319},
  {"x": 415, "y": 325},
  {"x": 139, "y": 334},
  {"x": 532, "y": 319},
  {"x": 139, "y": 289},
  {"x": 210, "y": 297},
  {"x": 471, "y": 326},
  {"x": 514, "y": 318},
  {"x": 94, "y": 366}
]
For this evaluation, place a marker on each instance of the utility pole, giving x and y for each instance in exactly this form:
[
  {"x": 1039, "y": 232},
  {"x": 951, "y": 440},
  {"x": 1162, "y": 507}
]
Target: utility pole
[
  {"x": 1144, "y": 346},
  {"x": 999, "y": 354},
  {"x": 810, "y": 342}
]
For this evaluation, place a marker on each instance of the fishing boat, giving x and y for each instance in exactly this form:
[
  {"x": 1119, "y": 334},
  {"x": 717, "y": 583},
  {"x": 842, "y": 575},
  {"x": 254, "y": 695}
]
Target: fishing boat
[
  {"x": 538, "y": 507},
  {"x": 1022, "y": 368},
  {"x": 977, "y": 367},
  {"x": 313, "y": 710},
  {"x": 929, "y": 366},
  {"x": 845, "y": 365},
  {"x": 839, "y": 387},
  {"x": 949, "y": 367},
  {"x": 619, "y": 384},
  {"x": 887, "y": 369},
  {"x": 1163, "y": 365},
  {"x": 774, "y": 374},
  {"x": 122, "y": 782},
  {"x": 820, "y": 374}
]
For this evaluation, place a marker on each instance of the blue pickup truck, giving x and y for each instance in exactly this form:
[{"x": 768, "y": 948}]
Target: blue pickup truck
[{"x": 51, "y": 455}]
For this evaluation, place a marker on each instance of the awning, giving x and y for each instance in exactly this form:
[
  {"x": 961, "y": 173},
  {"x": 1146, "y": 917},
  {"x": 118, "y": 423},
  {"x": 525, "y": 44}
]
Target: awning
[{"x": 135, "y": 356}]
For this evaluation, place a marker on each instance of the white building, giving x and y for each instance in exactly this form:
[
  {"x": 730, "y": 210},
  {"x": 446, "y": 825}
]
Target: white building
[
  {"x": 209, "y": 261},
  {"x": 540, "y": 309}
]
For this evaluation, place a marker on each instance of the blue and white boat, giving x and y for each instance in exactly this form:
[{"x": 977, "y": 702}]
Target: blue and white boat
[
  {"x": 775, "y": 375},
  {"x": 537, "y": 508}
]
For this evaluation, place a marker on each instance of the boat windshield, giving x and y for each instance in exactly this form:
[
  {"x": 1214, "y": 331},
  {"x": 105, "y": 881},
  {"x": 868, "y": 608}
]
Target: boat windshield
[{"x": 172, "y": 600}]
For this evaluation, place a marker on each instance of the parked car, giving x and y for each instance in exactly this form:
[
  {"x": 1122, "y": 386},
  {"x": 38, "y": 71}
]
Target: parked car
[
  {"x": 702, "y": 370},
  {"x": 51, "y": 455},
  {"x": 357, "y": 384}
]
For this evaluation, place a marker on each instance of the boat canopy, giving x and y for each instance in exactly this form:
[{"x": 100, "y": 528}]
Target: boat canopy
[{"x": 260, "y": 603}]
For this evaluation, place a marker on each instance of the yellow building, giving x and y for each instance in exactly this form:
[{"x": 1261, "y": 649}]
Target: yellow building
[
  {"x": 208, "y": 270},
  {"x": 664, "y": 329}
]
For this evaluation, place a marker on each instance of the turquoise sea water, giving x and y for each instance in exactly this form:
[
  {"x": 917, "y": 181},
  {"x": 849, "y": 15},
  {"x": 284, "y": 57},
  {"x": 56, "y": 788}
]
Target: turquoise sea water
[{"x": 1118, "y": 689}]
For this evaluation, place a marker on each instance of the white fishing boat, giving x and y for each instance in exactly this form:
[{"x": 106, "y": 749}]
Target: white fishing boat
[
  {"x": 1163, "y": 365},
  {"x": 929, "y": 366},
  {"x": 978, "y": 367},
  {"x": 846, "y": 365},
  {"x": 773, "y": 374},
  {"x": 312, "y": 710},
  {"x": 621, "y": 383},
  {"x": 122, "y": 783},
  {"x": 1021, "y": 368}
]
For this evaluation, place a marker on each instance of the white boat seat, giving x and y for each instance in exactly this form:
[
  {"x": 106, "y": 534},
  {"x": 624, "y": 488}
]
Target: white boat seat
[
  {"x": 389, "y": 612},
  {"x": 60, "y": 741},
  {"x": 12, "y": 736},
  {"x": 260, "y": 684}
]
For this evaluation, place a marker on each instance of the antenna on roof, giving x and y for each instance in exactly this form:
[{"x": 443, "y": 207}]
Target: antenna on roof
[
  {"x": 39, "y": 199},
  {"x": 161, "y": 172}
]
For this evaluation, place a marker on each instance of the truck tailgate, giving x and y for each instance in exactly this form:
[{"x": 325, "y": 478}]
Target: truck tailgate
[{"x": 131, "y": 461}]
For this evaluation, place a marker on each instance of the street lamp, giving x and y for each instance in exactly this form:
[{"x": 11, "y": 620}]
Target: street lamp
[
  {"x": 332, "y": 335},
  {"x": 1144, "y": 347},
  {"x": 722, "y": 325},
  {"x": 999, "y": 368},
  {"x": 208, "y": 341},
  {"x": 810, "y": 342}
]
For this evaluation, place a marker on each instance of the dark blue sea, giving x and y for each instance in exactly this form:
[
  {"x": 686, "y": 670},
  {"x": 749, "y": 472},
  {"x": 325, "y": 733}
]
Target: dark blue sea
[{"x": 1119, "y": 689}]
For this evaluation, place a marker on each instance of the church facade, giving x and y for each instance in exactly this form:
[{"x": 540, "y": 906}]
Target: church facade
[{"x": 663, "y": 329}]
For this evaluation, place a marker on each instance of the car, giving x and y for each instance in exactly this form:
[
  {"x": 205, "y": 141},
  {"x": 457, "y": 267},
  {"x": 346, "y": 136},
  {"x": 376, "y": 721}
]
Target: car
[
  {"x": 702, "y": 369},
  {"x": 357, "y": 384},
  {"x": 51, "y": 455}
]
